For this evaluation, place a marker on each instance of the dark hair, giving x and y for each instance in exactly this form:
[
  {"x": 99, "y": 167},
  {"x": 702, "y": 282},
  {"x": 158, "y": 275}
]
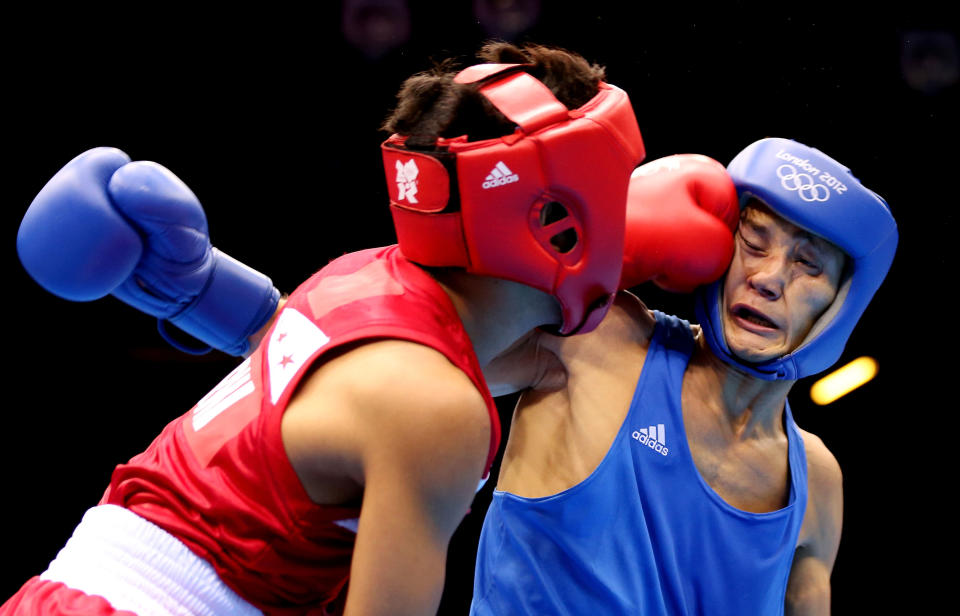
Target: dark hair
[{"x": 431, "y": 105}]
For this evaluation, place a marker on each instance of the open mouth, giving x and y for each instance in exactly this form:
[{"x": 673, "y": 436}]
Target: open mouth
[{"x": 750, "y": 315}]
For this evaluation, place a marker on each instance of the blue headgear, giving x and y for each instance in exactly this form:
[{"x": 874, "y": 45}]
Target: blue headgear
[{"x": 813, "y": 191}]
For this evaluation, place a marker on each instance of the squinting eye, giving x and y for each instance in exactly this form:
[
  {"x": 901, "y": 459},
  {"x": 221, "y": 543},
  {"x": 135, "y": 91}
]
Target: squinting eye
[{"x": 748, "y": 244}]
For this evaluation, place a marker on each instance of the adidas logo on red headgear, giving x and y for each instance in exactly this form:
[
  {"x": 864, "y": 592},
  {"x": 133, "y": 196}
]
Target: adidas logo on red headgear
[{"x": 500, "y": 175}]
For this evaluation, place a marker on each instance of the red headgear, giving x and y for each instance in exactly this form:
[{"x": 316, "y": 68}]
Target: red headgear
[{"x": 544, "y": 206}]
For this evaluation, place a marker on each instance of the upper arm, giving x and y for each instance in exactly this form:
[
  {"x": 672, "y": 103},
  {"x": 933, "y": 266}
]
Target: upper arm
[
  {"x": 808, "y": 589},
  {"x": 423, "y": 446}
]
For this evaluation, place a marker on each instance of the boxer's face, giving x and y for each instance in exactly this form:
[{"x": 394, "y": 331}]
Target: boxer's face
[{"x": 781, "y": 280}]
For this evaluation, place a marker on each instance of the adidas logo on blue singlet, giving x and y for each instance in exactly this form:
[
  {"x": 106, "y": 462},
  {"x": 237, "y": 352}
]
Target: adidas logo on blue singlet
[{"x": 653, "y": 437}]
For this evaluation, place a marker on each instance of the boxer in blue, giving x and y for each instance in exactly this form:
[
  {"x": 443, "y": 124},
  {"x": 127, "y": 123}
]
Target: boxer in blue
[{"x": 656, "y": 467}]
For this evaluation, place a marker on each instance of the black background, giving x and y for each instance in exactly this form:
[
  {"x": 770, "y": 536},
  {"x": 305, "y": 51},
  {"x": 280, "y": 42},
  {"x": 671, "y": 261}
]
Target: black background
[{"x": 271, "y": 116}]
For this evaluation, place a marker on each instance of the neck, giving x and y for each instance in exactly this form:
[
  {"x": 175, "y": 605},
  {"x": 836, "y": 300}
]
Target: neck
[
  {"x": 496, "y": 313},
  {"x": 751, "y": 404}
]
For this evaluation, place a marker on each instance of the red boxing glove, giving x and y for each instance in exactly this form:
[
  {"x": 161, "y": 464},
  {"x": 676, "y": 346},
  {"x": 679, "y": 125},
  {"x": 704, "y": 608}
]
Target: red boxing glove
[{"x": 682, "y": 212}]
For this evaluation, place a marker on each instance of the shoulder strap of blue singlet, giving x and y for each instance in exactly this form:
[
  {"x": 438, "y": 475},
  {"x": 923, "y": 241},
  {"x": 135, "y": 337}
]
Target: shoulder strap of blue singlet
[
  {"x": 798, "y": 462},
  {"x": 673, "y": 333}
]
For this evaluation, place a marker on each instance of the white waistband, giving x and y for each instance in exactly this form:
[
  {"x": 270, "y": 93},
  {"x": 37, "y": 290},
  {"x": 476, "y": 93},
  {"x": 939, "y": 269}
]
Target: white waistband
[{"x": 138, "y": 566}]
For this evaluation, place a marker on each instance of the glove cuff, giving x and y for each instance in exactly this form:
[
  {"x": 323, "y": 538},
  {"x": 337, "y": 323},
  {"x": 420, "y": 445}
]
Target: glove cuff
[{"x": 235, "y": 304}]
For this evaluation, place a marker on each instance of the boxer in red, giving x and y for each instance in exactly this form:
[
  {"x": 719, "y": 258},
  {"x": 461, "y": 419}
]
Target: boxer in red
[{"x": 348, "y": 444}]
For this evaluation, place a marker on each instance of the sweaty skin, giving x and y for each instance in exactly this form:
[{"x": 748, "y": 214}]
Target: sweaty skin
[{"x": 564, "y": 426}]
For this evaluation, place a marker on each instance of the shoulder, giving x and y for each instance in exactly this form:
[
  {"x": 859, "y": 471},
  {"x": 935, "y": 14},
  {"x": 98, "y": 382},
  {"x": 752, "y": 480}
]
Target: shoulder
[
  {"x": 391, "y": 402},
  {"x": 398, "y": 384},
  {"x": 823, "y": 518},
  {"x": 823, "y": 470},
  {"x": 404, "y": 365}
]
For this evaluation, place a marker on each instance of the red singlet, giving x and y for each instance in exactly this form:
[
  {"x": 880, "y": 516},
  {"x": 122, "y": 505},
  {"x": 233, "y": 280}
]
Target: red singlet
[{"x": 218, "y": 478}]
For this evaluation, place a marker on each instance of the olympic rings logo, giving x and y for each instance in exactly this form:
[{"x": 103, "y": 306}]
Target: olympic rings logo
[{"x": 802, "y": 183}]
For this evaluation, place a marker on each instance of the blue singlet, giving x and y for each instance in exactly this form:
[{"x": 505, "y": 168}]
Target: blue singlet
[{"x": 644, "y": 533}]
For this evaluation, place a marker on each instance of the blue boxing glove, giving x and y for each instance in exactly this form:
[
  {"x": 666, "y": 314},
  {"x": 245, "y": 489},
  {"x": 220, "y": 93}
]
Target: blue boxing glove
[{"x": 104, "y": 225}]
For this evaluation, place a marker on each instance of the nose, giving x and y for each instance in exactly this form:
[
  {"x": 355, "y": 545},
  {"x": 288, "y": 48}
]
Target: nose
[{"x": 769, "y": 277}]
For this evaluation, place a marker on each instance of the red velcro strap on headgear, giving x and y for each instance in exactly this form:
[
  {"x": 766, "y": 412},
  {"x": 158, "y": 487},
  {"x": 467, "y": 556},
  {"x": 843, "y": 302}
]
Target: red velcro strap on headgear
[
  {"x": 415, "y": 180},
  {"x": 526, "y": 101},
  {"x": 431, "y": 239},
  {"x": 479, "y": 72}
]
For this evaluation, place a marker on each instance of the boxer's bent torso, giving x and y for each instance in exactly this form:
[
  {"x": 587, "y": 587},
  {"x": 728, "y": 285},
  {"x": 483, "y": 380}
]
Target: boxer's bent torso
[
  {"x": 218, "y": 479},
  {"x": 643, "y": 533}
]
